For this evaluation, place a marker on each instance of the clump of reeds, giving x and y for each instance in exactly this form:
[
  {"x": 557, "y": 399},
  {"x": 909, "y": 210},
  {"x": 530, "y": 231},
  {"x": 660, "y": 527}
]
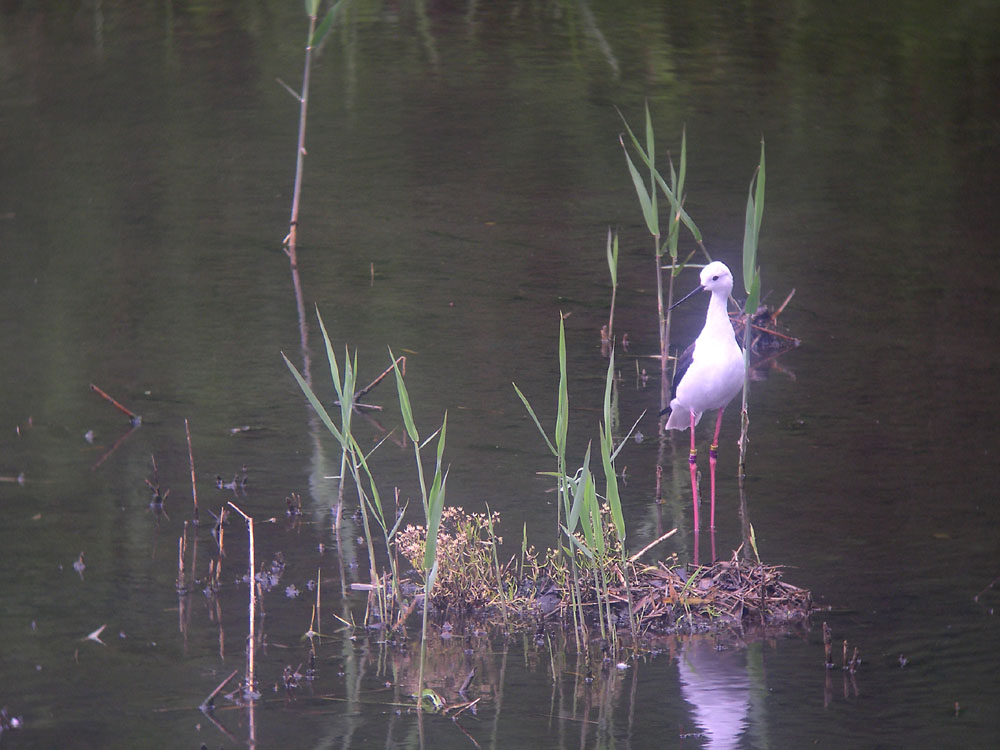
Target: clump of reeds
[
  {"x": 354, "y": 463},
  {"x": 592, "y": 537},
  {"x": 647, "y": 189}
]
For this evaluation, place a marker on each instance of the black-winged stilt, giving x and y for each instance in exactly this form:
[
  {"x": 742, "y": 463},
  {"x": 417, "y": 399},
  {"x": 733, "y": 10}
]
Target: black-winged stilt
[{"x": 710, "y": 377}]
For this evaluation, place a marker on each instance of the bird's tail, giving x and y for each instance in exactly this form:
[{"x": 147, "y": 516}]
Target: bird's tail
[{"x": 680, "y": 418}]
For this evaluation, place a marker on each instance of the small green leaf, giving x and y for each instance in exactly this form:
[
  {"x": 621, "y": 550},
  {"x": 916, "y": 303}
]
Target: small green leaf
[
  {"x": 324, "y": 27},
  {"x": 613, "y": 257},
  {"x": 611, "y": 485},
  {"x": 647, "y": 205},
  {"x": 578, "y": 492}
]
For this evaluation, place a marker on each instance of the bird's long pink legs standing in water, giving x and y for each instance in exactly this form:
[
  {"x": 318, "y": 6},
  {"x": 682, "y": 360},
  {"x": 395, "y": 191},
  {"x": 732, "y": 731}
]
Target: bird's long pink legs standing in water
[
  {"x": 693, "y": 462},
  {"x": 713, "y": 459}
]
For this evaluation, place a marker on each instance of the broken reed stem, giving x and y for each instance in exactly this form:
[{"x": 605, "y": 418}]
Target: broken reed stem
[
  {"x": 290, "y": 243},
  {"x": 319, "y": 588},
  {"x": 181, "y": 552},
  {"x": 135, "y": 418},
  {"x": 251, "y": 636},
  {"x": 207, "y": 703},
  {"x": 400, "y": 362},
  {"x": 194, "y": 487},
  {"x": 652, "y": 544},
  {"x": 300, "y": 151}
]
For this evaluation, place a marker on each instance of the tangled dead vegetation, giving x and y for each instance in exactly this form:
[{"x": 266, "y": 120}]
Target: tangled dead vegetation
[{"x": 665, "y": 598}]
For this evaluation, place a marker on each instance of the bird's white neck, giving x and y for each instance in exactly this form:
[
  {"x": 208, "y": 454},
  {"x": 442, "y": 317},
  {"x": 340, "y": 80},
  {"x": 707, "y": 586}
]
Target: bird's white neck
[{"x": 718, "y": 317}]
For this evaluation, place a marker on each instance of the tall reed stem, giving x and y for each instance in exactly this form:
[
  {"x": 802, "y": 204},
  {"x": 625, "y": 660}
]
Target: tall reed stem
[{"x": 251, "y": 680}]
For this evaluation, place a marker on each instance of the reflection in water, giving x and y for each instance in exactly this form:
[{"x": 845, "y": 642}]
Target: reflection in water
[{"x": 717, "y": 686}]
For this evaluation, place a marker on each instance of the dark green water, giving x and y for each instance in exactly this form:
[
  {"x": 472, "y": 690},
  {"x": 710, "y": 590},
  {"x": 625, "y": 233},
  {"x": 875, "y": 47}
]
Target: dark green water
[{"x": 469, "y": 154}]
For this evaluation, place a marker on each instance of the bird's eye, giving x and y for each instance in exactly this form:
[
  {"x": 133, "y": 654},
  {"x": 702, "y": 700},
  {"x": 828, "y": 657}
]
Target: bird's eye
[{"x": 715, "y": 278}]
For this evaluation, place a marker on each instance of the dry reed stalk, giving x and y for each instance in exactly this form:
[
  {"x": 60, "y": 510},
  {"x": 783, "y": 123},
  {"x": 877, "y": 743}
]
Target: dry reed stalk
[
  {"x": 181, "y": 552},
  {"x": 135, "y": 418},
  {"x": 194, "y": 487},
  {"x": 251, "y": 635}
]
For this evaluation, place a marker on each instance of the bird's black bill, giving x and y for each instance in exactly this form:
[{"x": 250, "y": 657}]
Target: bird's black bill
[{"x": 686, "y": 297}]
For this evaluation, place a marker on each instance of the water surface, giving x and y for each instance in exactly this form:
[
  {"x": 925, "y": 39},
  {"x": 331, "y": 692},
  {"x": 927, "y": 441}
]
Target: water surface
[{"x": 469, "y": 157}]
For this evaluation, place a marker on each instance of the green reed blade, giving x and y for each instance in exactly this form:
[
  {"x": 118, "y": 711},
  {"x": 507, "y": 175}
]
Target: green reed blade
[
  {"x": 593, "y": 515},
  {"x": 404, "y": 403},
  {"x": 435, "y": 508},
  {"x": 647, "y": 204},
  {"x": 759, "y": 195},
  {"x": 562, "y": 413},
  {"x": 682, "y": 171},
  {"x": 611, "y": 485},
  {"x": 324, "y": 28},
  {"x": 315, "y": 402},
  {"x": 531, "y": 413},
  {"x": 613, "y": 257},
  {"x": 573, "y": 516}
]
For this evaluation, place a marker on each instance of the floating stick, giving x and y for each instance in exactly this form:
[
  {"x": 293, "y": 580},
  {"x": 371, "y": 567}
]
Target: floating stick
[
  {"x": 135, "y": 418},
  {"x": 400, "y": 362},
  {"x": 206, "y": 705}
]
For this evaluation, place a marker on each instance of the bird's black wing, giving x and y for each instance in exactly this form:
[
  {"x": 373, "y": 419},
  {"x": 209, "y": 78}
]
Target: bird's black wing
[{"x": 683, "y": 363}]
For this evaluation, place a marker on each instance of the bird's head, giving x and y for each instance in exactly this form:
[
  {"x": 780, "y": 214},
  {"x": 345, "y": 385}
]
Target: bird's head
[{"x": 716, "y": 275}]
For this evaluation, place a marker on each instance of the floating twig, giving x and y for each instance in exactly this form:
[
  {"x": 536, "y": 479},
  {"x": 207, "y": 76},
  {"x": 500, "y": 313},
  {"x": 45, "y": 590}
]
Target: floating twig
[
  {"x": 134, "y": 418},
  {"x": 209, "y": 703},
  {"x": 400, "y": 362},
  {"x": 652, "y": 544}
]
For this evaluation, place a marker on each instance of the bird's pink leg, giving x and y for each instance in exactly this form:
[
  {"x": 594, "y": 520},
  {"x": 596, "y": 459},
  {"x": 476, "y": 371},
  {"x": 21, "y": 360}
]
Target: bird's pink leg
[
  {"x": 693, "y": 461},
  {"x": 713, "y": 459}
]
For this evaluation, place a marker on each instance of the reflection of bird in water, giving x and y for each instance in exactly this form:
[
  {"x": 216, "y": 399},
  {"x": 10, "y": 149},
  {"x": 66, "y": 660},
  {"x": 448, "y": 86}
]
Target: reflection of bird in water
[
  {"x": 717, "y": 686},
  {"x": 711, "y": 377}
]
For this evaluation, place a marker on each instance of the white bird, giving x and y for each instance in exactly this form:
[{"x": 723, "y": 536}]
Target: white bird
[{"x": 712, "y": 377}]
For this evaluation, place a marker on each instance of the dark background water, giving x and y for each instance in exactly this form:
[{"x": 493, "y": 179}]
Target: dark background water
[{"x": 469, "y": 155}]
